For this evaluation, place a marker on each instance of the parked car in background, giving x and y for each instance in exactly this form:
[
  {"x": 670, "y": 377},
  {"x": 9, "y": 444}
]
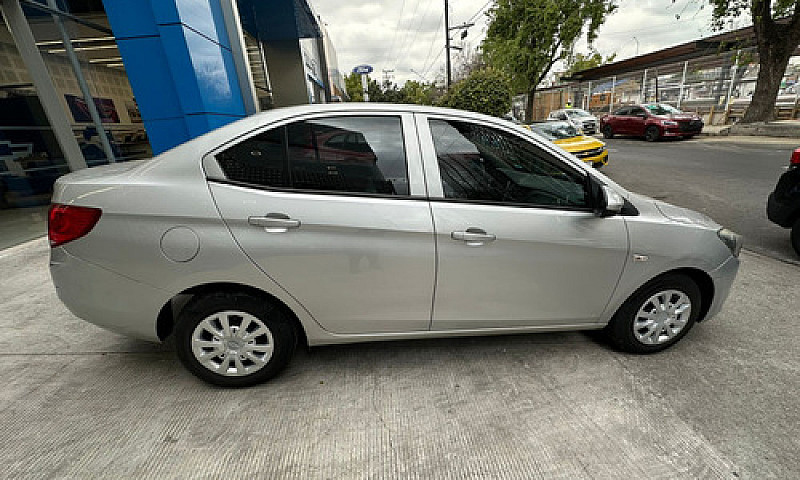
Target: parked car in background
[
  {"x": 783, "y": 204},
  {"x": 651, "y": 121},
  {"x": 566, "y": 136},
  {"x": 248, "y": 240},
  {"x": 577, "y": 117}
]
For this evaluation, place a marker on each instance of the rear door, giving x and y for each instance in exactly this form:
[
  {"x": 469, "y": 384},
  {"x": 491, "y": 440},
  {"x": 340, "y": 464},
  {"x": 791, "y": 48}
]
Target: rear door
[
  {"x": 333, "y": 209},
  {"x": 518, "y": 244}
]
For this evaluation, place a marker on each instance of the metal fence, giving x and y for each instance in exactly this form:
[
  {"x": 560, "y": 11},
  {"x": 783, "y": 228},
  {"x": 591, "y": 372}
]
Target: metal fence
[{"x": 718, "y": 87}]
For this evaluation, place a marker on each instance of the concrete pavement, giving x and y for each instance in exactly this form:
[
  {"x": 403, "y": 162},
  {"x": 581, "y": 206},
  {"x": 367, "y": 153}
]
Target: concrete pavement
[{"x": 80, "y": 402}]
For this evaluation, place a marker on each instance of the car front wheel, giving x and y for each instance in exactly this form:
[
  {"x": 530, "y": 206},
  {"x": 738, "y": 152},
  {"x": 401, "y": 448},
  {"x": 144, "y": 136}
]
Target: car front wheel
[
  {"x": 656, "y": 316},
  {"x": 234, "y": 339},
  {"x": 608, "y": 132},
  {"x": 651, "y": 133}
]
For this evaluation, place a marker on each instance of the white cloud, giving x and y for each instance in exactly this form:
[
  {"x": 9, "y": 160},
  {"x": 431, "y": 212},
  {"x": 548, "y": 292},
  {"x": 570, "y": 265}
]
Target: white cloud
[{"x": 406, "y": 35}]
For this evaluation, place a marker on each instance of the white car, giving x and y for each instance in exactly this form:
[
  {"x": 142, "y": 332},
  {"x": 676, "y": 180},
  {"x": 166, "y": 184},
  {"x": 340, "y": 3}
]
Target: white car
[{"x": 578, "y": 118}]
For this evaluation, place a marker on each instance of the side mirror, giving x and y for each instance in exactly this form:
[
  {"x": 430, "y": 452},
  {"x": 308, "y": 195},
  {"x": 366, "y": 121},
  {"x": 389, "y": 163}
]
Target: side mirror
[{"x": 606, "y": 201}]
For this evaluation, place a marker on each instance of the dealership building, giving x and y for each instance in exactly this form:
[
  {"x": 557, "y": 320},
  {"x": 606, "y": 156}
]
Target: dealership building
[{"x": 92, "y": 82}]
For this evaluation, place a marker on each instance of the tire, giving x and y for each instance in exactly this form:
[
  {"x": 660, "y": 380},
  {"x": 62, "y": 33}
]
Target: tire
[
  {"x": 795, "y": 236},
  {"x": 212, "y": 334},
  {"x": 608, "y": 132},
  {"x": 628, "y": 329},
  {"x": 651, "y": 133}
]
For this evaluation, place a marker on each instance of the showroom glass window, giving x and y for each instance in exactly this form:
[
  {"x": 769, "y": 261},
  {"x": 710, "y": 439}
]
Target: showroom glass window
[
  {"x": 363, "y": 155},
  {"x": 479, "y": 163}
]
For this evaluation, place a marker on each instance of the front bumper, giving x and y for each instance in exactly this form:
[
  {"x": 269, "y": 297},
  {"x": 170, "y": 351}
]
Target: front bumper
[
  {"x": 105, "y": 298},
  {"x": 723, "y": 277}
]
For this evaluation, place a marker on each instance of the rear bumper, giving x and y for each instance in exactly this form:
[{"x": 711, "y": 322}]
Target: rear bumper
[
  {"x": 723, "y": 277},
  {"x": 105, "y": 298},
  {"x": 781, "y": 213}
]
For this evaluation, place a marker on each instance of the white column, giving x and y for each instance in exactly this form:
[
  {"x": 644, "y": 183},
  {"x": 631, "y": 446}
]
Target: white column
[
  {"x": 683, "y": 82},
  {"x": 45, "y": 89},
  {"x": 241, "y": 62},
  {"x": 611, "y": 98}
]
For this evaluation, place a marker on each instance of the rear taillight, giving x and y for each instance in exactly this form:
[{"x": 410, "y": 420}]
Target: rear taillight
[
  {"x": 65, "y": 223},
  {"x": 795, "y": 161}
]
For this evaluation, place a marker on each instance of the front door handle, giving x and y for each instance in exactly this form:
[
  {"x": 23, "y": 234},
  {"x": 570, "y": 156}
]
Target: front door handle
[
  {"x": 274, "y": 222},
  {"x": 473, "y": 236}
]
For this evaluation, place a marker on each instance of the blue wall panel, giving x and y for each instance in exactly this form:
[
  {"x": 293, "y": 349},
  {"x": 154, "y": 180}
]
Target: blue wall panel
[{"x": 179, "y": 64}]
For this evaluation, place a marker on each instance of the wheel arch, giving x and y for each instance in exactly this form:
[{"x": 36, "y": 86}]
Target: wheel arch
[
  {"x": 704, "y": 283},
  {"x": 165, "y": 323}
]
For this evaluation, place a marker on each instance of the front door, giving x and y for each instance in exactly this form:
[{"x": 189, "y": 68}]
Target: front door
[{"x": 518, "y": 244}]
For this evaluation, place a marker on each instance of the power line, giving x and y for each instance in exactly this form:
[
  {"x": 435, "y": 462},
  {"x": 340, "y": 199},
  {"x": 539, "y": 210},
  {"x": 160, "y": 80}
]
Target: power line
[{"x": 388, "y": 54}]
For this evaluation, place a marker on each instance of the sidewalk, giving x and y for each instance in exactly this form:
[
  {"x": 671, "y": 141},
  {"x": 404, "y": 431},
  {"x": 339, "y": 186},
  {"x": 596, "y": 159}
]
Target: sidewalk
[
  {"x": 779, "y": 128},
  {"x": 81, "y": 402}
]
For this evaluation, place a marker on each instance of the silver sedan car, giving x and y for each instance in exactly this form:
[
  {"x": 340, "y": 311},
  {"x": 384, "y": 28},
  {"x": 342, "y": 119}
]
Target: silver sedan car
[{"x": 325, "y": 224}]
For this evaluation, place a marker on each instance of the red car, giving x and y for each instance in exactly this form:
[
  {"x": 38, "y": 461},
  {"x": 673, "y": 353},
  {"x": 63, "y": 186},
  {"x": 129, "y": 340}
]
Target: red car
[{"x": 651, "y": 121}]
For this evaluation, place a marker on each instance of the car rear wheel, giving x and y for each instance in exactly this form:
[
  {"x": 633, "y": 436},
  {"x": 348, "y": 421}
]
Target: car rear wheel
[
  {"x": 651, "y": 133},
  {"x": 656, "y": 316},
  {"x": 796, "y": 236},
  {"x": 234, "y": 339},
  {"x": 608, "y": 132}
]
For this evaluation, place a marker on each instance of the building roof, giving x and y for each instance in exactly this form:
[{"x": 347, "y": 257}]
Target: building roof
[{"x": 708, "y": 46}]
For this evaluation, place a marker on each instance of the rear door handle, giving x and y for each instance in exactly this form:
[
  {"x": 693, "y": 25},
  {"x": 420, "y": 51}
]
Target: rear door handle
[
  {"x": 274, "y": 222},
  {"x": 473, "y": 236}
]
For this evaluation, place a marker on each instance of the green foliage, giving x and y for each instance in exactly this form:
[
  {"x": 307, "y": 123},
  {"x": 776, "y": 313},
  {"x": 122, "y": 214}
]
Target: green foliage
[
  {"x": 579, "y": 62},
  {"x": 526, "y": 37},
  {"x": 352, "y": 84},
  {"x": 485, "y": 91},
  {"x": 420, "y": 93}
]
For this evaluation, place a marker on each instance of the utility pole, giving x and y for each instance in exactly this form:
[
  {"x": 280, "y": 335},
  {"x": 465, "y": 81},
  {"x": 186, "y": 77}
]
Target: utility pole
[
  {"x": 387, "y": 76},
  {"x": 447, "y": 47},
  {"x": 447, "y": 44}
]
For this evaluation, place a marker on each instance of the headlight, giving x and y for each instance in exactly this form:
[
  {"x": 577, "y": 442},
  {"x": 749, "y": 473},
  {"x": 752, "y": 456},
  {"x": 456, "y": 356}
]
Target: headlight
[
  {"x": 669, "y": 123},
  {"x": 732, "y": 240}
]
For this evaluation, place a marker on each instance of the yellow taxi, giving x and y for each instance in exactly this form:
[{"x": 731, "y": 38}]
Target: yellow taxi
[{"x": 568, "y": 137}]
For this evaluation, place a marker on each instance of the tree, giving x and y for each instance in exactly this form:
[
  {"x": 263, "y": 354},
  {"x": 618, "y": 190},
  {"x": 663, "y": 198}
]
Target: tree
[
  {"x": 527, "y": 37},
  {"x": 485, "y": 91},
  {"x": 420, "y": 93},
  {"x": 579, "y": 61},
  {"x": 352, "y": 83},
  {"x": 775, "y": 43}
]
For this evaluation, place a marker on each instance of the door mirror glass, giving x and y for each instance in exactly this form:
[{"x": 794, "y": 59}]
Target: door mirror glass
[{"x": 608, "y": 202}]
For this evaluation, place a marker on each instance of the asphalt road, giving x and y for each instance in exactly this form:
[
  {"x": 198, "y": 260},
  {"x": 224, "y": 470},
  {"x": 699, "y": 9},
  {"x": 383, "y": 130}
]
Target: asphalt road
[{"x": 727, "y": 178}]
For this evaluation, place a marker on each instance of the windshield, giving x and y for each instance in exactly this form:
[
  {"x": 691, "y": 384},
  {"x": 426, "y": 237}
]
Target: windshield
[
  {"x": 578, "y": 113},
  {"x": 555, "y": 130},
  {"x": 662, "y": 109}
]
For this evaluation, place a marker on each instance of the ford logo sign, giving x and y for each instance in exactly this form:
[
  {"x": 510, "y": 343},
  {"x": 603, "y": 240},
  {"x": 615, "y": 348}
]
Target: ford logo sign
[{"x": 363, "y": 69}]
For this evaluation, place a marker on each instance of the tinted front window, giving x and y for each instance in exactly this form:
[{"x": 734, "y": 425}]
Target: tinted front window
[
  {"x": 344, "y": 154},
  {"x": 622, "y": 111},
  {"x": 484, "y": 164},
  {"x": 662, "y": 109}
]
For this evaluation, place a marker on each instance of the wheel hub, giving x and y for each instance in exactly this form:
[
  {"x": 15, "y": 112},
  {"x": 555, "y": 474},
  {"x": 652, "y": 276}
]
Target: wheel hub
[{"x": 232, "y": 343}]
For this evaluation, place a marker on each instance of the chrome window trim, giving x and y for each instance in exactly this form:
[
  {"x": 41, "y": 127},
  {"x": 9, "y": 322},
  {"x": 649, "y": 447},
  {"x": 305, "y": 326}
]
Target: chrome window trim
[
  {"x": 433, "y": 176},
  {"x": 416, "y": 179}
]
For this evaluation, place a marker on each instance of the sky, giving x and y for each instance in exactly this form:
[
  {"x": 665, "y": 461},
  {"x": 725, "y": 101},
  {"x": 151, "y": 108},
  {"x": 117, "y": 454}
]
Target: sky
[{"x": 407, "y": 36}]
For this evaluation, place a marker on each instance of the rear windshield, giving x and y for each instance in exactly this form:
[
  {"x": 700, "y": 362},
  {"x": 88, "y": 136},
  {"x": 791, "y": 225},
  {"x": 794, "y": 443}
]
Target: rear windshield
[{"x": 555, "y": 130}]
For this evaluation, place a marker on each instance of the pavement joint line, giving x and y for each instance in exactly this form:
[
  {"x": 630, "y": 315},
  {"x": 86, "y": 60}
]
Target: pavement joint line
[{"x": 77, "y": 354}]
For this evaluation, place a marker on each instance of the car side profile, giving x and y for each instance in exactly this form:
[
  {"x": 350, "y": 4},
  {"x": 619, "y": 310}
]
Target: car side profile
[
  {"x": 651, "y": 121},
  {"x": 421, "y": 222}
]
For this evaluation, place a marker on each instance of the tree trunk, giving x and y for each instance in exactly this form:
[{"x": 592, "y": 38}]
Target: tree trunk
[
  {"x": 773, "y": 61},
  {"x": 529, "y": 105}
]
